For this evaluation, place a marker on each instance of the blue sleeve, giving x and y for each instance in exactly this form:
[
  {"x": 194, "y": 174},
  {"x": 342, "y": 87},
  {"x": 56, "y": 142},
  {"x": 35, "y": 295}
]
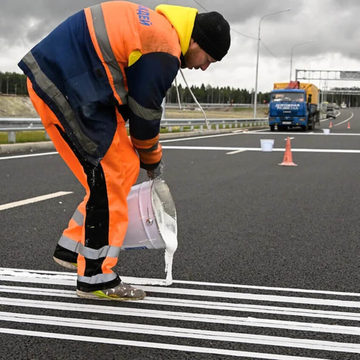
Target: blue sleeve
[{"x": 148, "y": 80}]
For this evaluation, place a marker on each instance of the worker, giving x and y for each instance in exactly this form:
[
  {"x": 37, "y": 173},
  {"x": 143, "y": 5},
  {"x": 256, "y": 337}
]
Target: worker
[{"x": 104, "y": 66}]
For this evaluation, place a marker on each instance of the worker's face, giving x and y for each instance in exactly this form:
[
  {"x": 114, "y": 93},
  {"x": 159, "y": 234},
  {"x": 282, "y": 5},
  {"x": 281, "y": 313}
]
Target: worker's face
[{"x": 196, "y": 57}]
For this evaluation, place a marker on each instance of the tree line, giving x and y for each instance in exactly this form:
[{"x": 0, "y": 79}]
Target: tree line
[
  {"x": 15, "y": 84},
  {"x": 214, "y": 95}
]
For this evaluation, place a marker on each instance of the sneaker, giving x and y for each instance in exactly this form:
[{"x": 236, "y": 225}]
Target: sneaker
[
  {"x": 66, "y": 264},
  {"x": 121, "y": 292}
]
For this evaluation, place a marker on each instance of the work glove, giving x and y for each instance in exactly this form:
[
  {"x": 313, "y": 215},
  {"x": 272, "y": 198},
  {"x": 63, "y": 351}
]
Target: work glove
[{"x": 154, "y": 173}]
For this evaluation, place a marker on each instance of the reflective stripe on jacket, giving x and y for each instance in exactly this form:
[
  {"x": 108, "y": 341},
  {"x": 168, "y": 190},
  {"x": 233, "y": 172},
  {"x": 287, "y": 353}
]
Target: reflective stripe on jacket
[{"x": 115, "y": 56}]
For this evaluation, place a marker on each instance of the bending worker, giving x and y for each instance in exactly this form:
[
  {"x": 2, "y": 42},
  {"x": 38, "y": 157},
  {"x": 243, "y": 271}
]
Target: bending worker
[{"x": 105, "y": 65}]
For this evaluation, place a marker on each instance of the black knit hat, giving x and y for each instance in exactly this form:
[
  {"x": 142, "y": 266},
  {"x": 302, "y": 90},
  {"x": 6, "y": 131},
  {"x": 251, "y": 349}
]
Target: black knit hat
[{"x": 212, "y": 33}]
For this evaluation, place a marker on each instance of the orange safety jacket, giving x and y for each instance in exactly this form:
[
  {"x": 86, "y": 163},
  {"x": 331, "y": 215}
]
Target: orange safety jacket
[{"x": 113, "y": 58}]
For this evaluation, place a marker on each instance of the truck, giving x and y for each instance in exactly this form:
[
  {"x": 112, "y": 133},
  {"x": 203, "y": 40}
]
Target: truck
[{"x": 294, "y": 104}]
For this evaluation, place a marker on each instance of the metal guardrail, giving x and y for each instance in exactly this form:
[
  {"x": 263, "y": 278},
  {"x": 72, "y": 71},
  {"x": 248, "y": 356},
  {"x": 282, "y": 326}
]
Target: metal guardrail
[
  {"x": 14, "y": 125},
  {"x": 212, "y": 106}
]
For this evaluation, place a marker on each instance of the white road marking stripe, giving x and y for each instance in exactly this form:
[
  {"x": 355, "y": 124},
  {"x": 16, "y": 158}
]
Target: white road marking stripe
[
  {"x": 27, "y": 155},
  {"x": 342, "y": 122},
  {"x": 268, "y": 132},
  {"x": 181, "y": 332},
  {"x": 33, "y": 200},
  {"x": 180, "y": 316},
  {"x": 209, "y": 293},
  {"x": 197, "y": 137},
  {"x": 252, "y": 132},
  {"x": 243, "y": 321},
  {"x": 16, "y": 275},
  {"x": 235, "y": 152},
  {"x": 153, "y": 345},
  {"x": 211, "y": 305},
  {"x": 220, "y": 148},
  {"x": 38, "y": 291},
  {"x": 263, "y": 309},
  {"x": 255, "y": 297}
]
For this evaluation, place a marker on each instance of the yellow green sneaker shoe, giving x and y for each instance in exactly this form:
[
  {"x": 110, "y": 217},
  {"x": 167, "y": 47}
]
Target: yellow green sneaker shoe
[{"x": 121, "y": 292}]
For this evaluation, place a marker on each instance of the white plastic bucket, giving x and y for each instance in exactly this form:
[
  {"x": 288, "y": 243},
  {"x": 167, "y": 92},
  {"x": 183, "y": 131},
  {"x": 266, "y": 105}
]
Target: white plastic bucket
[
  {"x": 267, "y": 144},
  {"x": 326, "y": 131},
  {"x": 152, "y": 216}
]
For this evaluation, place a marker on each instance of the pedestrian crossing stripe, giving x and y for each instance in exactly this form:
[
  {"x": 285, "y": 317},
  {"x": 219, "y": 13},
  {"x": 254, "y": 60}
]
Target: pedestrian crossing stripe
[{"x": 173, "y": 301}]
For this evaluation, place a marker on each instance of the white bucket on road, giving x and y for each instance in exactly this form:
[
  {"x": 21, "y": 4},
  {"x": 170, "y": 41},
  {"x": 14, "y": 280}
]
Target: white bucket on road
[
  {"x": 326, "y": 131},
  {"x": 267, "y": 144},
  {"x": 152, "y": 224}
]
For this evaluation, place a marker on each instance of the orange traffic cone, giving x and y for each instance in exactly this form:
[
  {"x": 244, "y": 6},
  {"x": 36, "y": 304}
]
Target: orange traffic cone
[
  {"x": 348, "y": 125},
  {"x": 330, "y": 125},
  {"x": 288, "y": 161}
]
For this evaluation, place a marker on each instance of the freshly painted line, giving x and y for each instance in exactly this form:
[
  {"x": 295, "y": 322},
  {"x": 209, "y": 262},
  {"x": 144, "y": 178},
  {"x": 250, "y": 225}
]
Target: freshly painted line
[
  {"x": 121, "y": 311},
  {"x": 211, "y": 305},
  {"x": 262, "y": 309},
  {"x": 38, "y": 291},
  {"x": 221, "y": 148},
  {"x": 28, "y": 275},
  {"x": 27, "y": 155},
  {"x": 254, "y": 297},
  {"x": 153, "y": 345},
  {"x": 239, "y": 321},
  {"x": 34, "y": 200},
  {"x": 180, "y": 332},
  {"x": 211, "y": 293}
]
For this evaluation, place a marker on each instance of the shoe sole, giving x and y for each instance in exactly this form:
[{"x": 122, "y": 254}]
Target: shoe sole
[
  {"x": 93, "y": 296},
  {"x": 66, "y": 264}
]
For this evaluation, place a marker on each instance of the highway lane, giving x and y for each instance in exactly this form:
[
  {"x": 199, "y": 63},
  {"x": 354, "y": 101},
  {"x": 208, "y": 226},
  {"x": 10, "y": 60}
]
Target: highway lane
[{"x": 242, "y": 220}]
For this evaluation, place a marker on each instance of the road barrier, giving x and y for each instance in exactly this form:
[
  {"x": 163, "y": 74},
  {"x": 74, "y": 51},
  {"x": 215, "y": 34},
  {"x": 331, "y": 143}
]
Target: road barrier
[{"x": 14, "y": 125}]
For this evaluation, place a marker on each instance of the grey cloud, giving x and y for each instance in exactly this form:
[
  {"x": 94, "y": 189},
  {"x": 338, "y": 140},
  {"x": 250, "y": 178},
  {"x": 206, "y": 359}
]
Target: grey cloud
[{"x": 331, "y": 24}]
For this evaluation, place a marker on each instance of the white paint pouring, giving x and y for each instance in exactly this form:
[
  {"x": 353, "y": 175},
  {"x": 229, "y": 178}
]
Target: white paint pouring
[{"x": 152, "y": 224}]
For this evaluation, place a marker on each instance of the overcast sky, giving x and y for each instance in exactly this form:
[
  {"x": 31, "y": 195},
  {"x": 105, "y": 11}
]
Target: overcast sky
[{"x": 329, "y": 28}]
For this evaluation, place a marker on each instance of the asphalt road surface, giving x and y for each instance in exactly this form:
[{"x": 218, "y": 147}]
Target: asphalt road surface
[{"x": 267, "y": 265}]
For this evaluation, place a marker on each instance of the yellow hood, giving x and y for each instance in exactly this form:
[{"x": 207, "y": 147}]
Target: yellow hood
[{"x": 182, "y": 19}]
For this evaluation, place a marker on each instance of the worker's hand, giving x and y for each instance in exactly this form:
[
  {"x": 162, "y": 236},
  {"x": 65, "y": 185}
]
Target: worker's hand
[{"x": 154, "y": 173}]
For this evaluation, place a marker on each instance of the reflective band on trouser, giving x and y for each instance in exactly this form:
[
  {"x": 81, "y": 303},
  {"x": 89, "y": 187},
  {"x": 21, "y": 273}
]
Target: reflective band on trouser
[
  {"x": 153, "y": 148},
  {"x": 107, "y": 53},
  {"x": 75, "y": 227},
  {"x": 97, "y": 279},
  {"x": 143, "y": 112},
  {"x": 145, "y": 144},
  {"x": 48, "y": 87},
  {"x": 88, "y": 253},
  {"x": 78, "y": 217}
]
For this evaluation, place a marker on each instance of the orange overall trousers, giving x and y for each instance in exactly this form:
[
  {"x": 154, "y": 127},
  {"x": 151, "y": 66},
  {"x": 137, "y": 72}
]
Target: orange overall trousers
[{"x": 104, "y": 207}]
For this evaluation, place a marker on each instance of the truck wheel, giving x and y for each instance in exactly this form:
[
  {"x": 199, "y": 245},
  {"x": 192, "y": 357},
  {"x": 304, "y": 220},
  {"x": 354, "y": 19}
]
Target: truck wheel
[{"x": 272, "y": 127}]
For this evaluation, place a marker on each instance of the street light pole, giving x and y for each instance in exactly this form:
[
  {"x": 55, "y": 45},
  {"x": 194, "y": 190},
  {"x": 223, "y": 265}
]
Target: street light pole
[
  {"x": 258, "y": 55},
  {"x": 292, "y": 53}
]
